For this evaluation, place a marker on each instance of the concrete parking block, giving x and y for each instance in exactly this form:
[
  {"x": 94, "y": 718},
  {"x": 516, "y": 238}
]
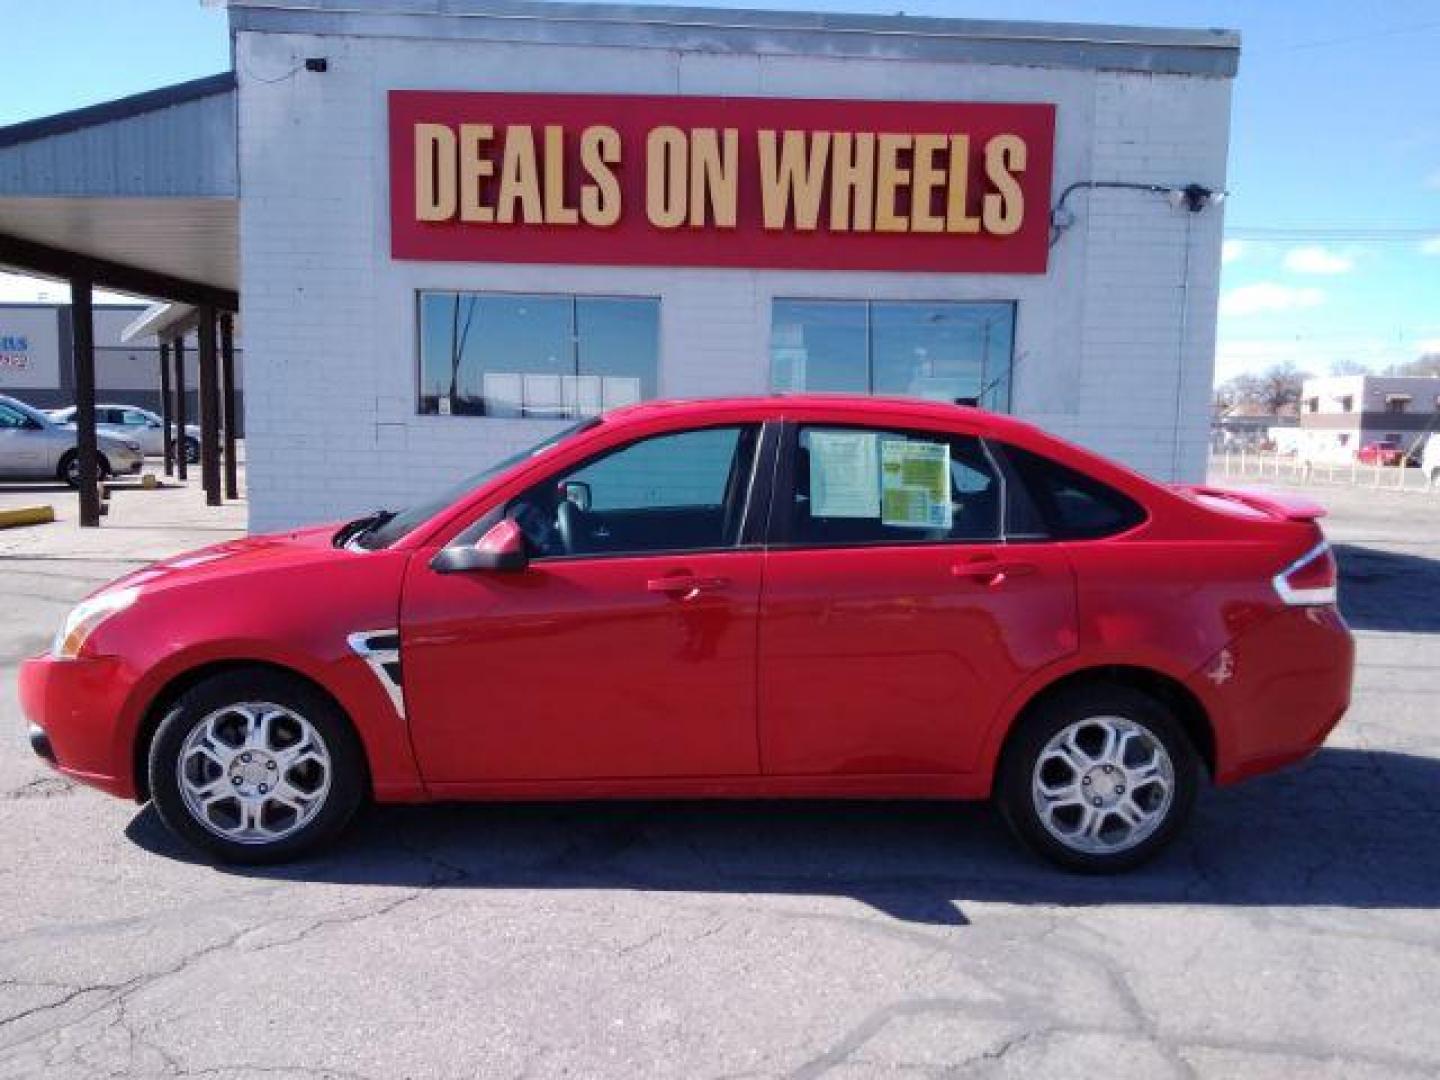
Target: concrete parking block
[{"x": 26, "y": 515}]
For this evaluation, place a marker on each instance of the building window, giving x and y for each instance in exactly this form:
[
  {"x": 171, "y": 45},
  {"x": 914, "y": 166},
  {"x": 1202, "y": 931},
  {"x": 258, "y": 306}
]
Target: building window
[
  {"x": 944, "y": 351},
  {"x": 1397, "y": 403},
  {"x": 539, "y": 356},
  {"x": 1312, "y": 405},
  {"x": 1347, "y": 403}
]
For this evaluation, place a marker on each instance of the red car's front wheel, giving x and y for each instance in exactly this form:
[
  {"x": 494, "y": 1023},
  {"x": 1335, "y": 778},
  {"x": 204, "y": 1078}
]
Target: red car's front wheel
[{"x": 255, "y": 767}]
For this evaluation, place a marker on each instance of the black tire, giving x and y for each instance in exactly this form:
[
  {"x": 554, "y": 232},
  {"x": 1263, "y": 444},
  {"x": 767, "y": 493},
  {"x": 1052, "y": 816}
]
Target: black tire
[
  {"x": 1014, "y": 793},
  {"x": 67, "y": 463},
  {"x": 347, "y": 775}
]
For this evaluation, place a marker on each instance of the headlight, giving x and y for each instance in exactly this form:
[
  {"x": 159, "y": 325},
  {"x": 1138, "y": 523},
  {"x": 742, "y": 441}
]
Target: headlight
[{"x": 85, "y": 617}]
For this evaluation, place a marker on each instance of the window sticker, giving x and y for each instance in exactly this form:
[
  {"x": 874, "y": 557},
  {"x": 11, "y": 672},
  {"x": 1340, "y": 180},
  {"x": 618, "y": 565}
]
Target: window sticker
[
  {"x": 844, "y": 474},
  {"x": 915, "y": 484}
]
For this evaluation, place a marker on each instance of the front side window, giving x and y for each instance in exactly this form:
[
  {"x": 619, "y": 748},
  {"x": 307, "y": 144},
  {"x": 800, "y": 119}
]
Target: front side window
[
  {"x": 11, "y": 418},
  {"x": 539, "y": 356},
  {"x": 867, "y": 486},
  {"x": 942, "y": 351},
  {"x": 684, "y": 491}
]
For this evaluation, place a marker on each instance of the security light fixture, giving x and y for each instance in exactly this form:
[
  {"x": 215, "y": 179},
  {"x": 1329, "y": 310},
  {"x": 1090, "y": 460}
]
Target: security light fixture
[{"x": 1194, "y": 197}]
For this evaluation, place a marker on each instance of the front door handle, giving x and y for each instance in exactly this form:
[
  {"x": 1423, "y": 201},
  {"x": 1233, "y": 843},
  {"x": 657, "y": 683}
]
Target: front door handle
[
  {"x": 992, "y": 571},
  {"x": 685, "y": 586}
]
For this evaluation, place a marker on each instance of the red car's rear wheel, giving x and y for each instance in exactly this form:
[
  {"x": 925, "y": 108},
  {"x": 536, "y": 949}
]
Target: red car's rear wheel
[{"x": 1098, "y": 779}]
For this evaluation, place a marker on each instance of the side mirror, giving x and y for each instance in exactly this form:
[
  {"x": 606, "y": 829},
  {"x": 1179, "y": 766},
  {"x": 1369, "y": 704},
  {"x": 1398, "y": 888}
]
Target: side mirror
[
  {"x": 502, "y": 548},
  {"x": 577, "y": 492}
]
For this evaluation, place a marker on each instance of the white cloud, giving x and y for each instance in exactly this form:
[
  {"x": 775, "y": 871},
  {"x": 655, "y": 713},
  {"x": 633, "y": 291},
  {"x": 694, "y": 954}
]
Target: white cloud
[
  {"x": 1431, "y": 246},
  {"x": 1269, "y": 296},
  {"x": 1232, "y": 250},
  {"x": 1317, "y": 260}
]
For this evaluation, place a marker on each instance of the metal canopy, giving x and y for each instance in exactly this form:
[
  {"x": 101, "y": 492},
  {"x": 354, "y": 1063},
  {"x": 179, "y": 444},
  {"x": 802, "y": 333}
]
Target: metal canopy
[
  {"x": 193, "y": 240},
  {"x": 146, "y": 183},
  {"x": 140, "y": 195}
]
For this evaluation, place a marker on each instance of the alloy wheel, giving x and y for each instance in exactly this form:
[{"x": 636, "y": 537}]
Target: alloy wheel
[
  {"x": 1103, "y": 784},
  {"x": 254, "y": 772}
]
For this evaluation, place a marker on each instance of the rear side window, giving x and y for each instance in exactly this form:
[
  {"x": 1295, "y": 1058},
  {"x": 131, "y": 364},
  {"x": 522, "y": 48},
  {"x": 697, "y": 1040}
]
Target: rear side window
[
  {"x": 1068, "y": 505},
  {"x": 868, "y": 486}
]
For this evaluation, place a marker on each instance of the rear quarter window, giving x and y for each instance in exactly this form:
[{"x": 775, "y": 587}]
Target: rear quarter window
[{"x": 1068, "y": 504}]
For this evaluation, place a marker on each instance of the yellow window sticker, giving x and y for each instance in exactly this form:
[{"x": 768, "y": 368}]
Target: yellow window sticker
[{"x": 915, "y": 484}]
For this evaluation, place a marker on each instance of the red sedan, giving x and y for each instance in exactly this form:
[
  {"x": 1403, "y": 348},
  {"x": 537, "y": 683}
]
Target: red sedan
[
  {"x": 789, "y": 596},
  {"x": 1381, "y": 453}
]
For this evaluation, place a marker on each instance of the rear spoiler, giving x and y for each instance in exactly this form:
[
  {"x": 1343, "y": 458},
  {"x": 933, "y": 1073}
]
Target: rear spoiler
[{"x": 1280, "y": 505}]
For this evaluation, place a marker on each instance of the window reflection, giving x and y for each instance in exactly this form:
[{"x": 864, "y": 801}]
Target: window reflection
[
  {"x": 819, "y": 345},
  {"x": 945, "y": 351},
  {"x": 538, "y": 356}
]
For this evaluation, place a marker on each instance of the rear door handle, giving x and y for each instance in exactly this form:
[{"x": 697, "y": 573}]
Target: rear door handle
[{"x": 686, "y": 586}]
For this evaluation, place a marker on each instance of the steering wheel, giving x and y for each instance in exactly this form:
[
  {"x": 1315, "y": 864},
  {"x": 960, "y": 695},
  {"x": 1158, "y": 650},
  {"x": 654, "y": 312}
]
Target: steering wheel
[{"x": 570, "y": 524}]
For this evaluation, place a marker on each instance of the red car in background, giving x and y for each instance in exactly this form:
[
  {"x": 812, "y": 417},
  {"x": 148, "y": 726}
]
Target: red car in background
[
  {"x": 1383, "y": 452},
  {"x": 785, "y": 596}
]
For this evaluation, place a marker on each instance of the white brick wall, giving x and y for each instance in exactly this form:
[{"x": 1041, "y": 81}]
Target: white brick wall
[{"x": 329, "y": 318}]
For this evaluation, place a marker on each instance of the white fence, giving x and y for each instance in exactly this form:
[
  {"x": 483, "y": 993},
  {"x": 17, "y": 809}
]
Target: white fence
[{"x": 1289, "y": 468}]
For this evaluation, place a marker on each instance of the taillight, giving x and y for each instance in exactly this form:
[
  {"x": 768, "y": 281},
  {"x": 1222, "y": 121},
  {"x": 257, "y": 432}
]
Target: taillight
[{"x": 1310, "y": 579}]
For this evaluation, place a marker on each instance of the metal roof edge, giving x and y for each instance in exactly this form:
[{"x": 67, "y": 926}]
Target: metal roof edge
[
  {"x": 1143, "y": 49},
  {"x": 105, "y": 112}
]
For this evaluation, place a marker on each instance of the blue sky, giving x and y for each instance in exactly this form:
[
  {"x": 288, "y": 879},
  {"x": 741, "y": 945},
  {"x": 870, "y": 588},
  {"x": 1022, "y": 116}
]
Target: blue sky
[{"x": 1336, "y": 129}]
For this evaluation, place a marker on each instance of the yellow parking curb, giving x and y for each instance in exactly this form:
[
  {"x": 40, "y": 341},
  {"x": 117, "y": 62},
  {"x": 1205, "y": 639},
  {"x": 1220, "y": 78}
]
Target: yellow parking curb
[{"x": 26, "y": 515}]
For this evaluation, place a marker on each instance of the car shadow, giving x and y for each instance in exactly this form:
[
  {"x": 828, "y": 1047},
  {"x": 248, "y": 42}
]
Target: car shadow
[
  {"x": 1388, "y": 590},
  {"x": 1349, "y": 828}
]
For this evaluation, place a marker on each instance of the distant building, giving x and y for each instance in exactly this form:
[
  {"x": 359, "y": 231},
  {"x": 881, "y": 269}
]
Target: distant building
[
  {"x": 1342, "y": 413},
  {"x": 35, "y": 364},
  {"x": 1249, "y": 427}
]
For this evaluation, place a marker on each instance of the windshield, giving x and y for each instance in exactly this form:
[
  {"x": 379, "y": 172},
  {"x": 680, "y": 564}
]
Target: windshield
[
  {"x": 404, "y": 522},
  {"x": 34, "y": 414}
]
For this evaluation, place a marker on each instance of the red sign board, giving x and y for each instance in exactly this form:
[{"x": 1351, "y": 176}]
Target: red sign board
[{"x": 738, "y": 182}]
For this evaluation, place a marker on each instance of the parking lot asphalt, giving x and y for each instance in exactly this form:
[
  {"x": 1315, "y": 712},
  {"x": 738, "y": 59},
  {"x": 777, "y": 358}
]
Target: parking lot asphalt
[{"x": 1292, "y": 932}]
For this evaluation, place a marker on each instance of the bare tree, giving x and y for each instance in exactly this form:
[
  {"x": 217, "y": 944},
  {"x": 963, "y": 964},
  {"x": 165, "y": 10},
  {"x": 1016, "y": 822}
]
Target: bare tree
[
  {"x": 1348, "y": 367},
  {"x": 1280, "y": 388},
  {"x": 1426, "y": 364},
  {"x": 1271, "y": 392}
]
